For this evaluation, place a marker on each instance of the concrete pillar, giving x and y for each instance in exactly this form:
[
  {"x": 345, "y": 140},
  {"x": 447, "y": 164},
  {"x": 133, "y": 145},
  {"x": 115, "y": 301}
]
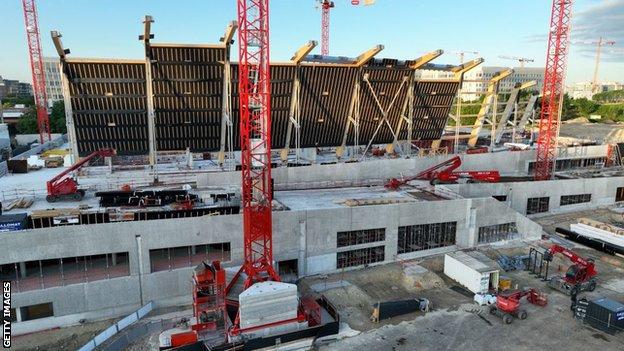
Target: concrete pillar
[
  {"x": 309, "y": 154},
  {"x": 22, "y": 268},
  {"x": 471, "y": 219},
  {"x": 140, "y": 265},
  {"x": 301, "y": 262},
  {"x": 18, "y": 314},
  {"x": 113, "y": 259}
]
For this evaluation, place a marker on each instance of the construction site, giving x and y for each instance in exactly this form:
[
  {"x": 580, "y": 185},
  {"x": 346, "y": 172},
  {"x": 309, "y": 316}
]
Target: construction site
[{"x": 206, "y": 198}]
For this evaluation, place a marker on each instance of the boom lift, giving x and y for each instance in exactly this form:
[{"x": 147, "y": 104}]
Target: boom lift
[
  {"x": 580, "y": 275},
  {"x": 508, "y": 304},
  {"x": 63, "y": 186},
  {"x": 444, "y": 173}
]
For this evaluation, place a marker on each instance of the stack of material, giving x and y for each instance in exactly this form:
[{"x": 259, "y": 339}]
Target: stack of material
[
  {"x": 598, "y": 230},
  {"x": 21, "y": 202},
  {"x": 267, "y": 302}
]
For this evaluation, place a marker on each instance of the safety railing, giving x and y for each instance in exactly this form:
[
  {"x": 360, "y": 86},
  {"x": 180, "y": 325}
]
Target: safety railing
[{"x": 117, "y": 327}]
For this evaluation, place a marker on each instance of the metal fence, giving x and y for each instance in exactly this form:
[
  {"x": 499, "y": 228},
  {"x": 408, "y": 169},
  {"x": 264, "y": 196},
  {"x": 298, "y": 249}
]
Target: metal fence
[
  {"x": 117, "y": 327},
  {"x": 53, "y": 144},
  {"x": 4, "y": 168}
]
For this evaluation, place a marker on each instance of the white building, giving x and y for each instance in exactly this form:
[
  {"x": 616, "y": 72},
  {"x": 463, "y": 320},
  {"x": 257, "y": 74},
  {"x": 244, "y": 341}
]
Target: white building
[
  {"x": 584, "y": 89},
  {"x": 52, "y": 79},
  {"x": 476, "y": 80}
]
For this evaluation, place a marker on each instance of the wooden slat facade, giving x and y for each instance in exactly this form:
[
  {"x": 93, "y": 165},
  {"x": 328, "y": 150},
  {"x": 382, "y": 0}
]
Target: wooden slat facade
[{"x": 109, "y": 101}]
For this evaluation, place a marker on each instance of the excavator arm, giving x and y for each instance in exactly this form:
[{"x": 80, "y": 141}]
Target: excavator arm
[
  {"x": 586, "y": 266},
  {"x": 445, "y": 167},
  {"x": 63, "y": 185}
]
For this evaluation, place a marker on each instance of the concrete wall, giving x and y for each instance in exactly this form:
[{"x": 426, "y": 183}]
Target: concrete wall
[
  {"x": 507, "y": 163},
  {"x": 602, "y": 192},
  {"x": 309, "y": 236}
]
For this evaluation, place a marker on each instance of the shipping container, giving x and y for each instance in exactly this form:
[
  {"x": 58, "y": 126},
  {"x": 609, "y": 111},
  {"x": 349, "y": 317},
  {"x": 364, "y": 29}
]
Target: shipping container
[
  {"x": 473, "y": 270},
  {"x": 13, "y": 222},
  {"x": 605, "y": 314}
]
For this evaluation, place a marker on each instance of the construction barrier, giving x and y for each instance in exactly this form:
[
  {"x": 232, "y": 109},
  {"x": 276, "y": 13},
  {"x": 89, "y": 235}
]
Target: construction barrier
[
  {"x": 4, "y": 168},
  {"x": 117, "y": 327}
]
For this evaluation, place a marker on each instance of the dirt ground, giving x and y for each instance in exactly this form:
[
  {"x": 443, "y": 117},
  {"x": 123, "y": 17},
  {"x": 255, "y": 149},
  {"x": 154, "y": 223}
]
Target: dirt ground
[
  {"x": 456, "y": 322},
  {"x": 70, "y": 338}
]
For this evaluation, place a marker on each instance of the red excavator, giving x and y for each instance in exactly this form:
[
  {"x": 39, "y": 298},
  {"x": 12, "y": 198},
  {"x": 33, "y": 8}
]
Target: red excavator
[
  {"x": 508, "y": 304},
  {"x": 580, "y": 275},
  {"x": 445, "y": 173},
  {"x": 64, "y": 186}
]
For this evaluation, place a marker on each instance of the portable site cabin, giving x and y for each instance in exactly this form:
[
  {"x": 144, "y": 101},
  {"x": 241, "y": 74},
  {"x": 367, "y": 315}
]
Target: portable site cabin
[{"x": 473, "y": 270}]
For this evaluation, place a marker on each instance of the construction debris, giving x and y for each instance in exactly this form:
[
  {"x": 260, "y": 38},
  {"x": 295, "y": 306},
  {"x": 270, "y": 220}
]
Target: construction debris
[
  {"x": 22, "y": 202},
  {"x": 513, "y": 263}
]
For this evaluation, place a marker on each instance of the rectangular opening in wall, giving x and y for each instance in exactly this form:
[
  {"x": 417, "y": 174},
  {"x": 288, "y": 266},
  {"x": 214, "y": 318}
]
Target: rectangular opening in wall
[
  {"x": 357, "y": 237},
  {"x": 497, "y": 232},
  {"x": 188, "y": 256},
  {"x": 574, "y": 199},
  {"x": 42, "y": 274},
  {"x": 537, "y": 205},
  {"x": 426, "y": 236},
  {"x": 360, "y": 257},
  {"x": 619, "y": 194},
  {"x": 288, "y": 270},
  {"x": 41, "y": 310},
  {"x": 501, "y": 198}
]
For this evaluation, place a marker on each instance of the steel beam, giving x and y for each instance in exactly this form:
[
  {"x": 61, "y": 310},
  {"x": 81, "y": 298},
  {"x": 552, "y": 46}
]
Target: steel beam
[
  {"x": 294, "y": 112},
  {"x": 353, "y": 118},
  {"x": 384, "y": 112},
  {"x": 459, "y": 72},
  {"x": 149, "y": 91},
  {"x": 227, "y": 134},
  {"x": 69, "y": 112},
  {"x": 367, "y": 56},
  {"x": 425, "y": 59},
  {"x": 509, "y": 108},
  {"x": 488, "y": 102}
]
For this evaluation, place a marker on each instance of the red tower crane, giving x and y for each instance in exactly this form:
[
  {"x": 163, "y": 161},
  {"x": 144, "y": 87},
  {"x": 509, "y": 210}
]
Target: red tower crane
[
  {"x": 326, "y": 5},
  {"x": 36, "y": 65},
  {"x": 552, "y": 94},
  {"x": 255, "y": 140}
]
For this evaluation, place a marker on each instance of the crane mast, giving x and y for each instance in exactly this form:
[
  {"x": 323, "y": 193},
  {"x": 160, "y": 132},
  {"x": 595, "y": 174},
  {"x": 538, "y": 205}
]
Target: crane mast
[
  {"x": 326, "y": 5},
  {"x": 255, "y": 139},
  {"x": 36, "y": 66},
  {"x": 552, "y": 94}
]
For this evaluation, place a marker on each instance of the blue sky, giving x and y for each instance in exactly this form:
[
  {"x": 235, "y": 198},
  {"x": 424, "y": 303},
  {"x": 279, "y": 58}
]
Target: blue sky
[{"x": 407, "y": 29}]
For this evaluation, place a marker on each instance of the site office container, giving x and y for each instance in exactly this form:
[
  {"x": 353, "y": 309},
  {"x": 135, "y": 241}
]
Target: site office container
[
  {"x": 475, "y": 279},
  {"x": 605, "y": 314}
]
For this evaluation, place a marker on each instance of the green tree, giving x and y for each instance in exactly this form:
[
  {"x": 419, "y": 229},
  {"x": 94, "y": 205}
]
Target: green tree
[
  {"x": 57, "y": 118},
  {"x": 613, "y": 96},
  {"x": 586, "y": 107},
  {"x": 569, "y": 109},
  {"x": 27, "y": 124},
  {"x": 11, "y": 100}
]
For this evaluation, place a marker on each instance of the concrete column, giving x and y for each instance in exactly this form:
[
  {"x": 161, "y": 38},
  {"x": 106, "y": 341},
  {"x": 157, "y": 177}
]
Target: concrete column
[
  {"x": 309, "y": 154},
  {"x": 22, "y": 267},
  {"x": 69, "y": 115},
  {"x": 301, "y": 262},
  {"x": 113, "y": 259},
  {"x": 18, "y": 314},
  {"x": 140, "y": 265}
]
